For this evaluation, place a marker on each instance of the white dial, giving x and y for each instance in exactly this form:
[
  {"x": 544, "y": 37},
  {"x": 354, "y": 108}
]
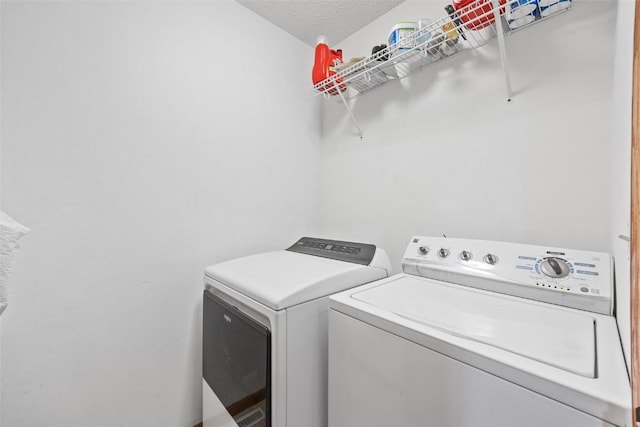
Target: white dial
[{"x": 555, "y": 267}]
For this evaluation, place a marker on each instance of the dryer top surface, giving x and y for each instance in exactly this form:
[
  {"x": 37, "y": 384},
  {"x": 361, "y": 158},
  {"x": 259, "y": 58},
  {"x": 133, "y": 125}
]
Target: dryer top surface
[{"x": 281, "y": 279}]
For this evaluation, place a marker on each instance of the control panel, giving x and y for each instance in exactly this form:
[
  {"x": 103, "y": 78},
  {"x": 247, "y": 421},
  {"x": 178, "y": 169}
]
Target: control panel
[
  {"x": 358, "y": 253},
  {"x": 567, "y": 277}
]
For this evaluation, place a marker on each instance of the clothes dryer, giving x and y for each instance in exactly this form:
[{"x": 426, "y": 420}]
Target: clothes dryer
[{"x": 265, "y": 331}]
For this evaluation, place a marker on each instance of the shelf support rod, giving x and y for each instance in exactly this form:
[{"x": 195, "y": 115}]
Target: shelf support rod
[
  {"x": 348, "y": 107},
  {"x": 501, "y": 46}
]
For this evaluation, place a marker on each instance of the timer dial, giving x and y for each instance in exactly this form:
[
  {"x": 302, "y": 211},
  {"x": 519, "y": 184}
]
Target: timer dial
[{"x": 556, "y": 268}]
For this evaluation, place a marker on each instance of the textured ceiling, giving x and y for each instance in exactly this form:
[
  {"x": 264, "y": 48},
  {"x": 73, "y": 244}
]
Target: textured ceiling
[{"x": 308, "y": 19}]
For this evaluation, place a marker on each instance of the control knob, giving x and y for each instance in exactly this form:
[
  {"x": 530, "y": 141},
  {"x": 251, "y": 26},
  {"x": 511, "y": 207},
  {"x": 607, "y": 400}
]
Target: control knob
[
  {"x": 443, "y": 253},
  {"x": 423, "y": 250},
  {"x": 465, "y": 255},
  {"x": 490, "y": 259},
  {"x": 555, "y": 267}
]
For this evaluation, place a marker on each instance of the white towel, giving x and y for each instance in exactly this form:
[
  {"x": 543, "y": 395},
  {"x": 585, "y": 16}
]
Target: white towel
[{"x": 10, "y": 232}]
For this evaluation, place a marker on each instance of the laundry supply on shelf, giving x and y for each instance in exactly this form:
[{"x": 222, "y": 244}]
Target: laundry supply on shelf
[
  {"x": 424, "y": 27},
  {"x": 453, "y": 15},
  {"x": 351, "y": 67},
  {"x": 549, "y": 7},
  {"x": 326, "y": 59},
  {"x": 382, "y": 50},
  {"x": 448, "y": 47},
  {"x": 521, "y": 12},
  {"x": 401, "y": 37}
]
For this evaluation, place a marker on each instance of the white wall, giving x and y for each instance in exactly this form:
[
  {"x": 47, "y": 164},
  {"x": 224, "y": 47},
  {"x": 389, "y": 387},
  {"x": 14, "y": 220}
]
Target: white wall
[
  {"x": 443, "y": 152},
  {"x": 621, "y": 166},
  {"x": 141, "y": 142}
]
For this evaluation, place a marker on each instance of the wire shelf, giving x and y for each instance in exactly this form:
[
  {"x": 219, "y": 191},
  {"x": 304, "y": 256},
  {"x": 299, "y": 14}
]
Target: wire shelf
[{"x": 469, "y": 28}]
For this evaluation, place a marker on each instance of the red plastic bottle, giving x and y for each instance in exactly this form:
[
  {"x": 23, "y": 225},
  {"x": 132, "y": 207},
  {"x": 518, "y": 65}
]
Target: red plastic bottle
[{"x": 325, "y": 60}]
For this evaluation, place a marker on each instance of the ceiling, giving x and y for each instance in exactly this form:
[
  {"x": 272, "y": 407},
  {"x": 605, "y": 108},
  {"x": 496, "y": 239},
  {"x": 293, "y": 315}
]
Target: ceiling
[{"x": 308, "y": 19}]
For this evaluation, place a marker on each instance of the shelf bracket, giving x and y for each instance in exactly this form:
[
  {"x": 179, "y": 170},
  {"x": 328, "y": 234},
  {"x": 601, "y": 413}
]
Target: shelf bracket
[
  {"x": 503, "y": 52},
  {"x": 348, "y": 107}
]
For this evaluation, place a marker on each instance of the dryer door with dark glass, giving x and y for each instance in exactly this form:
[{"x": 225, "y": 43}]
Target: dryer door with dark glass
[{"x": 237, "y": 361}]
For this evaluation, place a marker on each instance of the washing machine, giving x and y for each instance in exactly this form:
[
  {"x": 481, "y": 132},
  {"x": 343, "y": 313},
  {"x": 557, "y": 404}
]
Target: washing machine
[
  {"x": 265, "y": 320},
  {"x": 483, "y": 334}
]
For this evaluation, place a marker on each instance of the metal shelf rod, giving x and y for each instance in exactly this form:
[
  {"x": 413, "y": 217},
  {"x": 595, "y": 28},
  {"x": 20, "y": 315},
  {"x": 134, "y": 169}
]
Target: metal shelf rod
[
  {"x": 348, "y": 107},
  {"x": 501, "y": 47}
]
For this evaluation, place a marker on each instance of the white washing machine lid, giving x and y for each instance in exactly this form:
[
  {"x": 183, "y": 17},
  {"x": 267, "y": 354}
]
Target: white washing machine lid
[
  {"x": 282, "y": 279},
  {"x": 560, "y": 338}
]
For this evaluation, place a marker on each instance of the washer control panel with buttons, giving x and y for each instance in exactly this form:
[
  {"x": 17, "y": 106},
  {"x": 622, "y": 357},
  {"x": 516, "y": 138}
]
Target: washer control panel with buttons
[{"x": 567, "y": 277}]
